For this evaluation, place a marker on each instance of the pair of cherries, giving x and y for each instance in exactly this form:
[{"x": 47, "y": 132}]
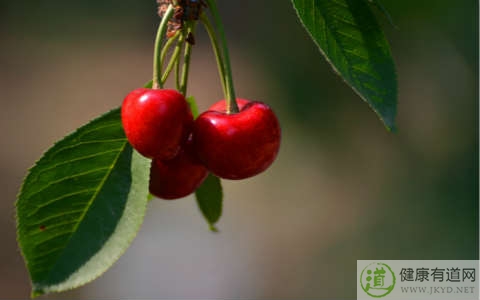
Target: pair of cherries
[{"x": 158, "y": 123}]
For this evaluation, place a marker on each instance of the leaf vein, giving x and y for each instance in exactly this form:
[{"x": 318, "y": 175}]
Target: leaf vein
[
  {"x": 66, "y": 232},
  {"x": 76, "y": 159},
  {"x": 97, "y": 128},
  {"x": 52, "y": 217},
  {"x": 58, "y": 199},
  {"x": 58, "y": 181},
  {"x": 52, "y": 156}
]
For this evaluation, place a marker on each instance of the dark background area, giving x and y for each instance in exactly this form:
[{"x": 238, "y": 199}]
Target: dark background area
[{"x": 342, "y": 189}]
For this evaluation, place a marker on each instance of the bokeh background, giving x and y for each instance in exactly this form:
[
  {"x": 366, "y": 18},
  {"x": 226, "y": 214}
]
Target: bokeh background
[{"x": 342, "y": 189}]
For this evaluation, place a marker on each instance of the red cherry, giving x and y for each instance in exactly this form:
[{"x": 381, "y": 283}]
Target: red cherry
[
  {"x": 221, "y": 106},
  {"x": 240, "y": 145},
  {"x": 156, "y": 122},
  {"x": 178, "y": 177}
]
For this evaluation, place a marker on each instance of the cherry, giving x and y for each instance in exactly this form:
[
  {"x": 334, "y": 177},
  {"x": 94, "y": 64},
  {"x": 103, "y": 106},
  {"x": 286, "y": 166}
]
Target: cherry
[
  {"x": 239, "y": 145},
  {"x": 156, "y": 122},
  {"x": 178, "y": 177},
  {"x": 222, "y": 105}
]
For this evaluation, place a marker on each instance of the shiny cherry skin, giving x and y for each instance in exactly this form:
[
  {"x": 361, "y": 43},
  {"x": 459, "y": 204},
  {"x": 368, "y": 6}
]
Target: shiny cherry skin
[
  {"x": 240, "y": 145},
  {"x": 178, "y": 177},
  {"x": 221, "y": 106},
  {"x": 156, "y": 122}
]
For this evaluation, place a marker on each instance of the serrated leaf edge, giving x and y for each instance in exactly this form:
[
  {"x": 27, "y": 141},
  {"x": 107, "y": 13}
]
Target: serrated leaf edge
[
  {"x": 389, "y": 127},
  {"x": 76, "y": 279},
  {"x": 40, "y": 290}
]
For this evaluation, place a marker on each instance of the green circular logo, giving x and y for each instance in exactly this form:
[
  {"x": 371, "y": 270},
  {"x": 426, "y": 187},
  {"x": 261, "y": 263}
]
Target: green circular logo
[{"x": 377, "y": 280}]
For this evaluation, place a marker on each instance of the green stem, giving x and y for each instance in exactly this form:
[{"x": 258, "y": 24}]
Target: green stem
[
  {"x": 186, "y": 60},
  {"x": 216, "y": 50},
  {"x": 173, "y": 59},
  {"x": 167, "y": 47},
  {"x": 177, "y": 75},
  {"x": 232, "y": 106},
  {"x": 162, "y": 30}
]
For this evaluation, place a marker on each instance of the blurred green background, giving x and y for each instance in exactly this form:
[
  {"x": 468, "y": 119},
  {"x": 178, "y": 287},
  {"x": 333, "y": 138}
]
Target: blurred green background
[{"x": 342, "y": 188}]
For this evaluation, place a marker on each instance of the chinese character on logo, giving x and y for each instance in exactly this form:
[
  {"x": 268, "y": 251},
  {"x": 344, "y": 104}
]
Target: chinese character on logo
[
  {"x": 378, "y": 278},
  {"x": 406, "y": 274},
  {"x": 453, "y": 274},
  {"x": 422, "y": 274},
  {"x": 469, "y": 274},
  {"x": 437, "y": 274}
]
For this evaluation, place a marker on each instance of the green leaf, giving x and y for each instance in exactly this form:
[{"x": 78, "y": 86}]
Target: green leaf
[
  {"x": 148, "y": 85},
  {"x": 350, "y": 38},
  {"x": 81, "y": 205},
  {"x": 193, "y": 106},
  {"x": 209, "y": 199},
  {"x": 209, "y": 195},
  {"x": 384, "y": 11}
]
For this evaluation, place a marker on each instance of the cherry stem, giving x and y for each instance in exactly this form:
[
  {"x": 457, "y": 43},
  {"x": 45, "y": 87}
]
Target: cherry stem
[
  {"x": 177, "y": 75},
  {"x": 216, "y": 50},
  {"x": 173, "y": 59},
  {"x": 232, "y": 106},
  {"x": 167, "y": 47},
  {"x": 186, "y": 60},
  {"x": 162, "y": 30}
]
